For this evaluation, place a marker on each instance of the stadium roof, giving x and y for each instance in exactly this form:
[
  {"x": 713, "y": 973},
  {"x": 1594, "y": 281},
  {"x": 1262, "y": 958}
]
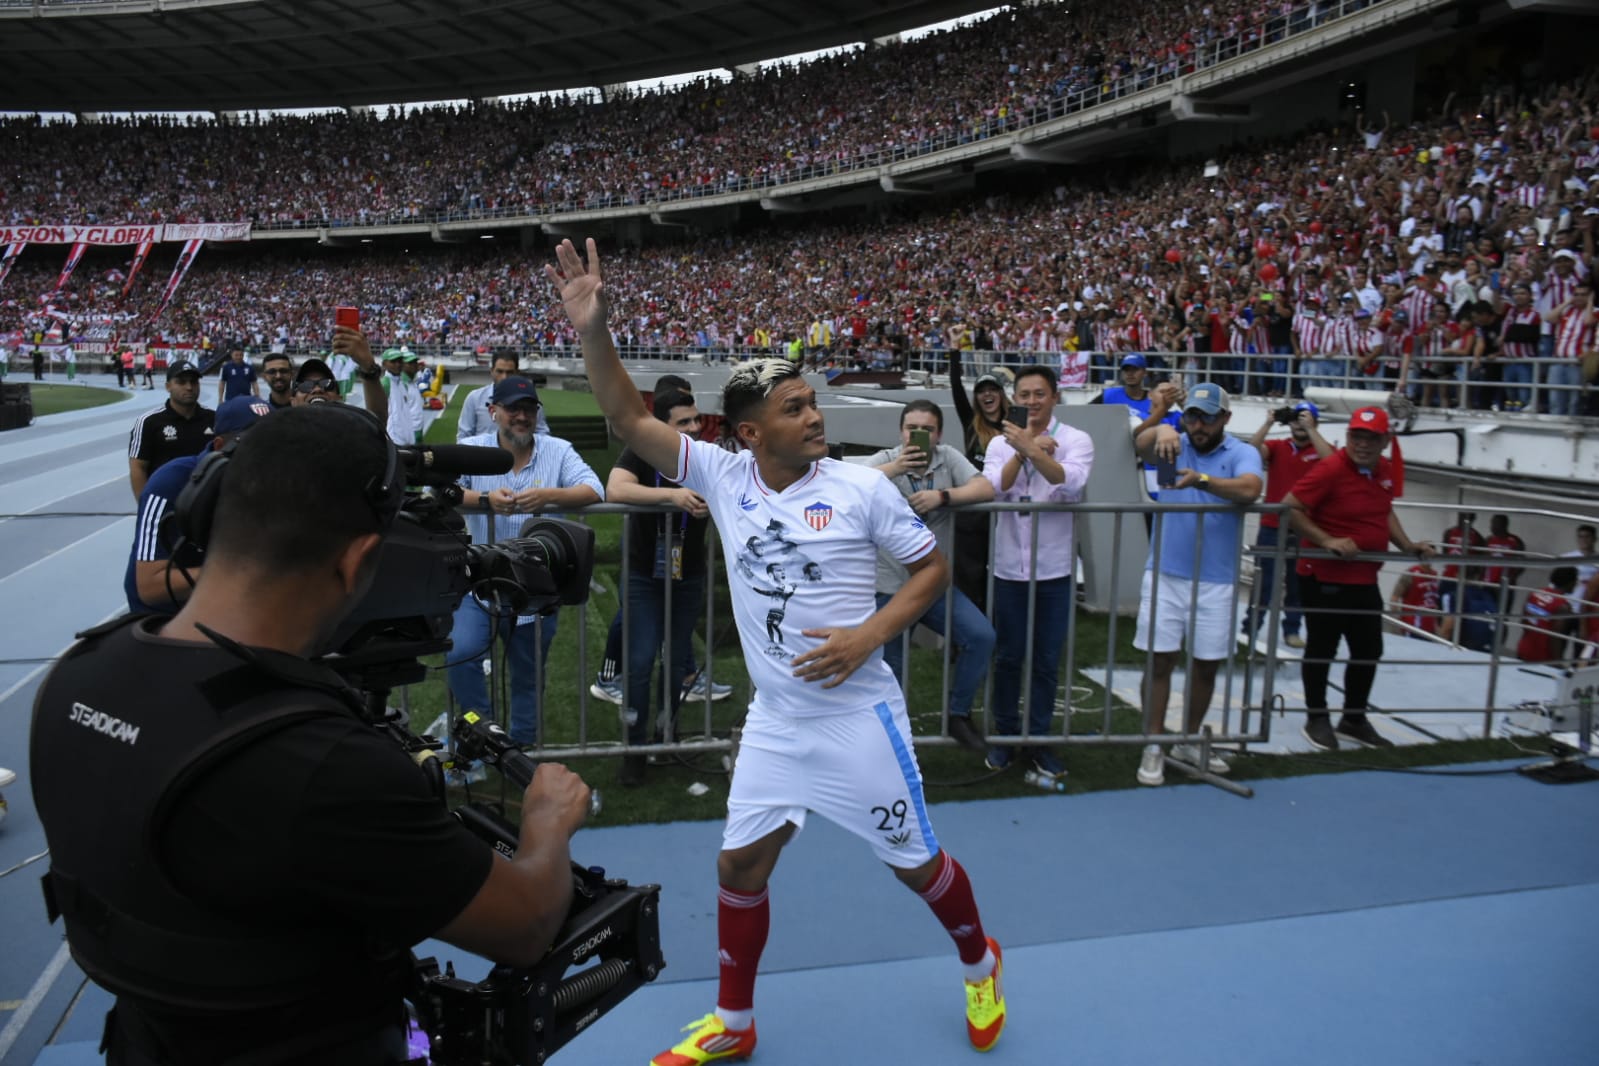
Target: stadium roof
[{"x": 231, "y": 55}]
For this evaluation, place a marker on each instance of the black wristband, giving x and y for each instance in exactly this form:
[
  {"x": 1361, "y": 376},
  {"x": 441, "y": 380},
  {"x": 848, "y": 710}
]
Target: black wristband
[
  {"x": 943, "y": 496},
  {"x": 369, "y": 373}
]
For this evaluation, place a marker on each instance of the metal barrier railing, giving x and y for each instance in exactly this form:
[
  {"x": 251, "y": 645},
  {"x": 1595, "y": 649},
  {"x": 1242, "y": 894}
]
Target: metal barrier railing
[{"x": 1246, "y": 693}]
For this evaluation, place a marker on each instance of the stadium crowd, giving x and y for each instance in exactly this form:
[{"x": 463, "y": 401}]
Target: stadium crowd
[
  {"x": 781, "y": 124},
  {"x": 1448, "y": 258}
]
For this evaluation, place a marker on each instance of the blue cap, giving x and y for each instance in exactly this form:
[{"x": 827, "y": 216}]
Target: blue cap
[
  {"x": 239, "y": 414},
  {"x": 1306, "y": 405},
  {"x": 1208, "y": 397},
  {"x": 513, "y": 390},
  {"x": 1134, "y": 359}
]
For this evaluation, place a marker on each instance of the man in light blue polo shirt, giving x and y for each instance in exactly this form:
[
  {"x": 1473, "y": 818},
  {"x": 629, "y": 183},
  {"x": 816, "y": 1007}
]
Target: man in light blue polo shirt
[
  {"x": 546, "y": 473},
  {"x": 1198, "y": 559}
]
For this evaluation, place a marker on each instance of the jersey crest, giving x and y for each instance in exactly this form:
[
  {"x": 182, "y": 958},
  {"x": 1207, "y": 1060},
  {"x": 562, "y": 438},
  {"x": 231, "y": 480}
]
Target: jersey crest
[{"x": 818, "y": 514}]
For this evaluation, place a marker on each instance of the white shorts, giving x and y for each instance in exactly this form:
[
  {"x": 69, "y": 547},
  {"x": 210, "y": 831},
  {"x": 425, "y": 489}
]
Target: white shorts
[
  {"x": 1209, "y": 636},
  {"x": 858, "y": 770}
]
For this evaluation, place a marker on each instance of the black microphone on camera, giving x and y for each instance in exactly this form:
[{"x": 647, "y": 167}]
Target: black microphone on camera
[{"x": 453, "y": 460}]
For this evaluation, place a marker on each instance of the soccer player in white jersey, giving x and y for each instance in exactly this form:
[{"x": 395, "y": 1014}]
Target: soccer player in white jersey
[{"x": 827, "y": 731}]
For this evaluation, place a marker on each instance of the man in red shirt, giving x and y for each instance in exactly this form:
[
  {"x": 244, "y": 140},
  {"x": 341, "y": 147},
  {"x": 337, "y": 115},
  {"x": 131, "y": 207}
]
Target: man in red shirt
[
  {"x": 1549, "y": 619},
  {"x": 1503, "y": 544},
  {"x": 1461, "y": 538},
  {"x": 1345, "y": 505},
  {"x": 1415, "y": 599},
  {"x": 1285, "y": 462}
]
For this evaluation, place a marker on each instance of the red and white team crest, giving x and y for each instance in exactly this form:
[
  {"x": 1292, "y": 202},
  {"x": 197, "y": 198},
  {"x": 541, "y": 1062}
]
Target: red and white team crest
[{"x": 818, "y": 515}]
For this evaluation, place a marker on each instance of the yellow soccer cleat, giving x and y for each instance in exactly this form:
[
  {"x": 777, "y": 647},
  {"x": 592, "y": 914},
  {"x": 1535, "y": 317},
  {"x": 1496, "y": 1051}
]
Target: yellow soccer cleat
[
  {"x": 711, "y": 1041},
  {"x": 985, "y": 1005}
]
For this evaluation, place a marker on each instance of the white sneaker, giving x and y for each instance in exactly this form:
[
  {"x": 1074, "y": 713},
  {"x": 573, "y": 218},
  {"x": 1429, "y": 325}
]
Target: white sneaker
[
  {"x": 609, "y": 691},
  {"x": 7, "y": 777},
  {"x": 1189, "y": 753},
  {"x": 1152, "y": 767}
]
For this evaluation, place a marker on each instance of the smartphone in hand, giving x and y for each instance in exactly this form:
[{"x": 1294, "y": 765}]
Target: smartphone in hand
[
  {"x": 348, "y": 317},
  {"x": 1165, "y": 473},
  {"x": 922, "y": 440},
  {"x": 1017, "y": 417}
]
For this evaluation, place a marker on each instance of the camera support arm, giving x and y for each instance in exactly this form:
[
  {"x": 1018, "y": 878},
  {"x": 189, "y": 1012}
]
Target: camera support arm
[{"x": 609, "y": 946}]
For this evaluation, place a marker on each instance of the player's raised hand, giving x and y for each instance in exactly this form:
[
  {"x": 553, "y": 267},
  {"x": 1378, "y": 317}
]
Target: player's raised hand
[{"x": 580, "y": 286}]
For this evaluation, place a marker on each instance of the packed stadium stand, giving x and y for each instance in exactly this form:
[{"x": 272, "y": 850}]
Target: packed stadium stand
[{"x": 1481, "y": 183}]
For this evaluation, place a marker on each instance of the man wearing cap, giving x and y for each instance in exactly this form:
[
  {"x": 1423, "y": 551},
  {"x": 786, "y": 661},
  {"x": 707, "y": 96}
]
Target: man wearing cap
[
  {"x": 177, "y": 428},
  {"x": 152, "y": 584},
  {"x": 476, "y": 419},
  {"x": 1344, "y": 505},
  {"x": 405, "y": 399},
  {"x": 236, "y": 378},
  {"x": 1191, "y": 575},
  {"x": 317, "y": 382},
  {"x": 546, "y": 474},
  {"x": 1285, "y": 462}
]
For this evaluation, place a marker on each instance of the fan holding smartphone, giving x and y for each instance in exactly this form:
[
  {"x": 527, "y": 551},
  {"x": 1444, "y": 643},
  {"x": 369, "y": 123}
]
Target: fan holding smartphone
[
  {"x": 934, "y": 477},
  {"x": 1038, "y": 460}
]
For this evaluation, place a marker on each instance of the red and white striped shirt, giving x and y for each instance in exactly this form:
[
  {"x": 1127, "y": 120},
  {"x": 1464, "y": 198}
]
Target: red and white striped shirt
[
  {"x": 1417, "y": 302},
  {"x": 1574, "y": 332}
]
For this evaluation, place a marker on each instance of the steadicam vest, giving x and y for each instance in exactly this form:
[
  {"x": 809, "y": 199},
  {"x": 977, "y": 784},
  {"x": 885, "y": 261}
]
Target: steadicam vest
[{"x": 144, "y": 720}]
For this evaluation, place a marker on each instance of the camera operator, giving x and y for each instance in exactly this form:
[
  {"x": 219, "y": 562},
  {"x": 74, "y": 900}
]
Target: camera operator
[{"x": 239, "y": 856}]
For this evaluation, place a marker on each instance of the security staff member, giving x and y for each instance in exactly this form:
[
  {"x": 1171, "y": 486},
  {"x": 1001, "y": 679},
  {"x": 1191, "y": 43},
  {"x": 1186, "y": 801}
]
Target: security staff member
[
  {"x": 238, "y": 856},
  {"x": 177, "y": 428}
]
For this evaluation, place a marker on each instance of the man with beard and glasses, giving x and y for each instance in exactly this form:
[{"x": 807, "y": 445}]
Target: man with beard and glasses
[
  {"x": 548, "y": 475},
  {"x": 1197, "y": 553},
  {"x": 277, "y": 370}
]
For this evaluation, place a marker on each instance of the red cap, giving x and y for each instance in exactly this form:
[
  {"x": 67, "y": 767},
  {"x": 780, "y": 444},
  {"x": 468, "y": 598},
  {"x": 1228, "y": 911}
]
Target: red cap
[{"x": 1374, "y": 419}]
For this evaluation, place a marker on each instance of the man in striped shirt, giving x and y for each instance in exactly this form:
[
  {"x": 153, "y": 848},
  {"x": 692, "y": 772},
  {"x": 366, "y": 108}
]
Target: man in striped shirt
[
  {"x": 1519, "y": 337},
  {"x": 1310, "y": 341},
  {"x": 1574, "y": 322}
]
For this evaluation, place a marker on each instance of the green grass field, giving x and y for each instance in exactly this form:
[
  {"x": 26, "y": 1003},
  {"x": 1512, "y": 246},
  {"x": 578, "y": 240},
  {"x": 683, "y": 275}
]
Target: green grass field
[
  {"x": 54, "y": 399},
  {"x": 951, "y": 773}
]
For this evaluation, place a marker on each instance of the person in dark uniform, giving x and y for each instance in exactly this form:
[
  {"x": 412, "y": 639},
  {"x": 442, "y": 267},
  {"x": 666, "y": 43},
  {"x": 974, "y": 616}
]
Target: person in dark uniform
[
  {"x": 177, "y": 428},
  {"x": 38, "y": 364},
  {"x": 238, "y": 855},
  {"x": 236, "y": 378},
  {"x": 151, "y": 582}
]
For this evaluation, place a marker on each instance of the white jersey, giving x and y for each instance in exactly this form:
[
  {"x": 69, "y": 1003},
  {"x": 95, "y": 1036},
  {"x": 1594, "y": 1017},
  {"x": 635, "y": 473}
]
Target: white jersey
[{"x": 804, "y": 558}]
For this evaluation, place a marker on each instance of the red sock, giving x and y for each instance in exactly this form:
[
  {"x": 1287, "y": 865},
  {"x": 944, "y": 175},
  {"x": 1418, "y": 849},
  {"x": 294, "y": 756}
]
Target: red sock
[
  {"x": 742, "y": 921},
  {"x": 949, "y": 893}
]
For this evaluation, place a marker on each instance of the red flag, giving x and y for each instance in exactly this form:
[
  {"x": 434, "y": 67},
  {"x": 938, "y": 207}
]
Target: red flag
[
  {"x": 133, "y": 271},
  {"x": 13, "y": 250},
  {"x": 191, "y": 248},
  {"x": 72, "y": 264}
]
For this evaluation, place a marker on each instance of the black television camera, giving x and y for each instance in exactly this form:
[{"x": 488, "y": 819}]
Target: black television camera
[{"x": 609, "y": 944}]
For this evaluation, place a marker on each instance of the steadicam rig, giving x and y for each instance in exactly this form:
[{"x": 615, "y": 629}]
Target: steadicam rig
[{"x": 608, "y": 947}]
